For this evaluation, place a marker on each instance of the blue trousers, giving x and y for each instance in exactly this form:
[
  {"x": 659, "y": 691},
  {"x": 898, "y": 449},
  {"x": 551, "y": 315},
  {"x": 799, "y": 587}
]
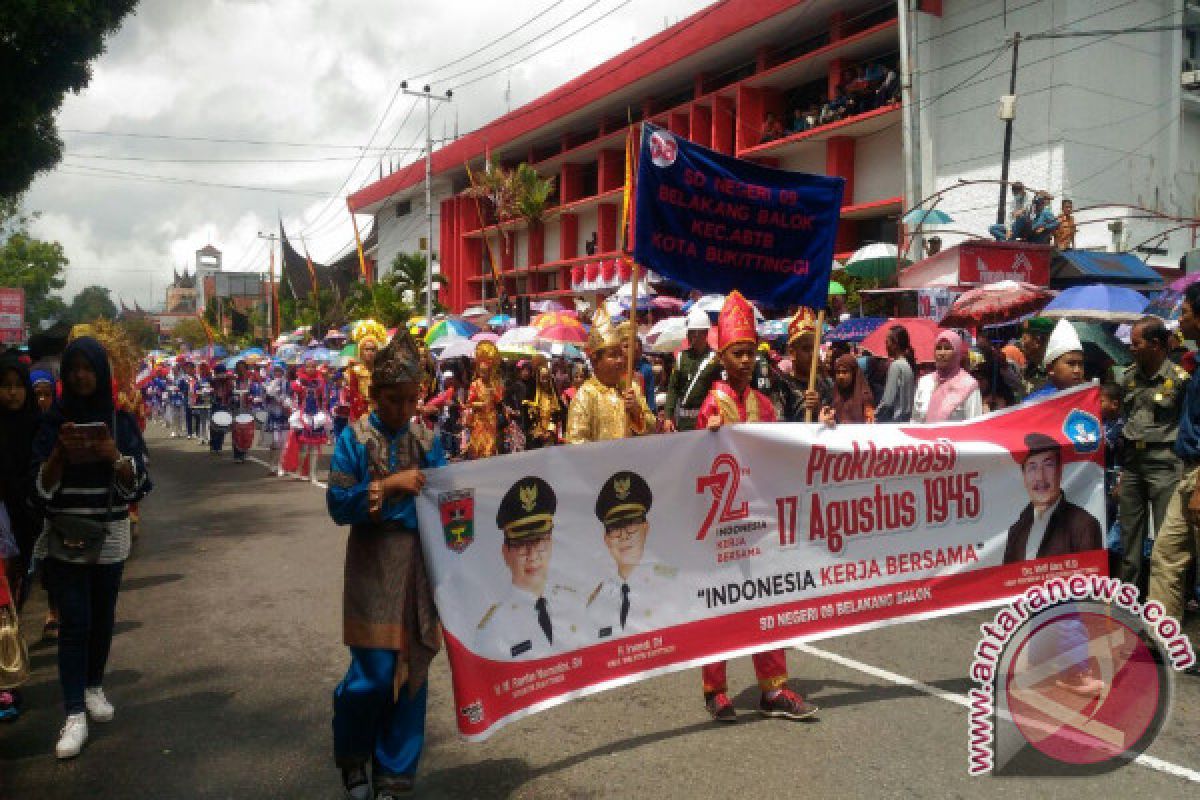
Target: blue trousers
[
  {"x": 86, "y": 595},
  {"x": 367, "y": 721}
]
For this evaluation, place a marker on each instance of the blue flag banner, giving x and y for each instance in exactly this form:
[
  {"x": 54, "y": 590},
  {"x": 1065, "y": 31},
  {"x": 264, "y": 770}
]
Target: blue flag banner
[{"x": 716, "y": 223}]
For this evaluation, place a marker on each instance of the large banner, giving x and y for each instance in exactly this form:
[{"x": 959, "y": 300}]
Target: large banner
[
  {"x": 716, "y": 223},
  {"x": 569, "y": 570}
]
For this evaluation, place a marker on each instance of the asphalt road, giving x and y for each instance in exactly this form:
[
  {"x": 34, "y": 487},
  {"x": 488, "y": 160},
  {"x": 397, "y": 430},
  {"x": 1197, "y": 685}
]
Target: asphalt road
[{"x": 228, "y": 646}]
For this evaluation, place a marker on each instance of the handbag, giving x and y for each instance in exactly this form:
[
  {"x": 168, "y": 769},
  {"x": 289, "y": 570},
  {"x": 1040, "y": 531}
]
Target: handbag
[{"x": 14, "y": 653}]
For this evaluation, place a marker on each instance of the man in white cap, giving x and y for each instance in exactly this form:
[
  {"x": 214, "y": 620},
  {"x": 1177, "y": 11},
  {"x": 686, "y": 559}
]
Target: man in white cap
[
  {"x": 695, "y": 367},
  {"x": 1063, "y": 361}
]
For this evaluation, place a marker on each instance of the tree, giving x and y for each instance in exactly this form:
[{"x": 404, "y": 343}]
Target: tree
[
  {"x": 529, "y": 194},
  {"x": 407, "y": 278},
  {"x": 46, "y": 49},
  {"x": 92, "y": 302},
  {"x": 191, "y": 333},
  {"x": 31, "y": 264},
  {"x": 141, "y": 332},
  {"x": 380, "y": 301}
]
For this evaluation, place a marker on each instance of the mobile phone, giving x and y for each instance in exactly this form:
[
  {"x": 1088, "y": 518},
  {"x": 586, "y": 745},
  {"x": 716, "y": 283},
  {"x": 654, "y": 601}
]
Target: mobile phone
[{"x": 91, "y": 430}]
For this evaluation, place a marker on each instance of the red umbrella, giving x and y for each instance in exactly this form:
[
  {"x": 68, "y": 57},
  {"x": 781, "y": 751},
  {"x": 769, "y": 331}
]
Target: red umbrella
[
  {"x": 921, "y": 334},
  {"x": 995, "y": 303},
  {"x": 565, "y": 334}
]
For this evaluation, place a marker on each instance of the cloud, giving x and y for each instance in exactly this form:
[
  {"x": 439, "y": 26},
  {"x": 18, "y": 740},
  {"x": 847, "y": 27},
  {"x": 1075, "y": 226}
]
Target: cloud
[{"x": 279, "y": 71}]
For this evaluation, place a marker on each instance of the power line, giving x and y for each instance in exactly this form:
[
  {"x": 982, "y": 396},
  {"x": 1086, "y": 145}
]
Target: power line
[
  {"x": 152, "y": 159},
  {"x": 100, "y": 172},
  {"x": 498, "y": 39},
  {"x": 506, "y": 53},
  {"x": 555, "y": 43},
  {"x": 218, "y": 140}
]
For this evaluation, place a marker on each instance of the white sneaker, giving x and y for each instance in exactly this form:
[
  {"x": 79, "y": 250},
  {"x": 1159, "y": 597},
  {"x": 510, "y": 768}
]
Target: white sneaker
[
  {"x": 98, "y": 707},
  {"x": 72, "y": 737}
]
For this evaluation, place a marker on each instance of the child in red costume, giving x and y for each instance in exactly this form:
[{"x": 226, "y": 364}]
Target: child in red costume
[{"x": 729, "y": 401}]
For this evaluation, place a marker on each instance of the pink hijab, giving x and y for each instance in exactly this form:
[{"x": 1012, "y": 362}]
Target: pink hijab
[{"x": 954, "y": 384}]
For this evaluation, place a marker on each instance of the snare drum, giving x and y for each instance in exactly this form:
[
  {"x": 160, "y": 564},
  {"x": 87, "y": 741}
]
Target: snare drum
[
  {"x": 221, "y": 421},
  {"x": 243, "y": 431}
]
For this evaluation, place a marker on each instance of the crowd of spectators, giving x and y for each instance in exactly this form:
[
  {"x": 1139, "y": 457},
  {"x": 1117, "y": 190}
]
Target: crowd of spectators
[{"x": 862, "y": 88}]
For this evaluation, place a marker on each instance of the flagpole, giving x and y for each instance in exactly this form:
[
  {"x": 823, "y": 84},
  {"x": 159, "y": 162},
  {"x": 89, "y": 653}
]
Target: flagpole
[
  {"x": 487, "y": 242},
  {"x": 312, "y": 273},
  {"x": 816, "y": 357},
  {"x": 635, "y": 271},
  {"x": 362, "y": 261}
]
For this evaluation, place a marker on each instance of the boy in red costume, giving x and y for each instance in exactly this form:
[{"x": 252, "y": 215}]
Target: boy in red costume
[{"x": 729, "y": 401}]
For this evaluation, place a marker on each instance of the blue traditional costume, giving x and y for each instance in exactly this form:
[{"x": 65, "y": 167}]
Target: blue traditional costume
[{"x": 390, "y": 622}]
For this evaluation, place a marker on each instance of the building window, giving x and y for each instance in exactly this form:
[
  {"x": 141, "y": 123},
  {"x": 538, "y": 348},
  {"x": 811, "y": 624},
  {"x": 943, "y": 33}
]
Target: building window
[
  {"x": 403, "y": 208},
  {"x": 551, "y": 281}
]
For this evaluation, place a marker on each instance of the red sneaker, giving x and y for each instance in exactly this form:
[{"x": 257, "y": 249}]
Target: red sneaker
[
  {"x": 719, "y": 707},
  {"x": 786, "y": 704}
]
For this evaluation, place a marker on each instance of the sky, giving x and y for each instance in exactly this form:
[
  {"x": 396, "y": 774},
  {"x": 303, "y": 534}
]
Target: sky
[{"x": 318, "y": 75}]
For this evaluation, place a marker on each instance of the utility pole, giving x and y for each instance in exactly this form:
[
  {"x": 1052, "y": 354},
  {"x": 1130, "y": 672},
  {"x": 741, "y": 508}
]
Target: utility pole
[
  {"x": 273, "y": 303},
  {"x": 1008, "y": 110},
  {"x": 429, "y": 98}
]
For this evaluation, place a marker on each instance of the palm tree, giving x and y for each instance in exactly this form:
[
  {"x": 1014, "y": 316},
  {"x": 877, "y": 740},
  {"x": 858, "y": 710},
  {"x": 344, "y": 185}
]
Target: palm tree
[
  {"x": 407, "y": 278},
  {"x": 529, "y": 194}
]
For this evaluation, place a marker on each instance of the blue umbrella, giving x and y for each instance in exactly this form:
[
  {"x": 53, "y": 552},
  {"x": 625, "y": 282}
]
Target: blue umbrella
[
  {"x": 253, "y": 351},
  {"x": 500, "y": 321},
  {"x": 854, "y": 329},
  {"x": 1097, "y": 302},
  {"x": 921, "y": 216},
  {"x": 1168, "y": 305},
  {"x": 320, "y": 354}
]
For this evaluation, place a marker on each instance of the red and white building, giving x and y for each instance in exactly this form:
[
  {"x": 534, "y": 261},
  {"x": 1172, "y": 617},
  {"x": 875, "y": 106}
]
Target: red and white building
[{"x": 715, "y": 76}]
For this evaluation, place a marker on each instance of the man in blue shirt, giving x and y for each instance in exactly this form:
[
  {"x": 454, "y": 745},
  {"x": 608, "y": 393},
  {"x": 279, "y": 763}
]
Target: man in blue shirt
[
  {"x": 1178, "y": 540},
  {"x": 389, "y": 621}
]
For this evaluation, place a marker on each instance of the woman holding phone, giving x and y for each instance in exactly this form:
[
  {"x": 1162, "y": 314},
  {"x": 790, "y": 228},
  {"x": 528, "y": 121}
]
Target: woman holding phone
[{"x": 88, "y": 467}]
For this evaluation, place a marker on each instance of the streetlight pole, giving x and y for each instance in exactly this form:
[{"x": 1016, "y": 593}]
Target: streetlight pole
[
  {"x": 1008, "y": 110},
  {"x": 273, "y": 303},
  {"x": 429, "y": 99}
]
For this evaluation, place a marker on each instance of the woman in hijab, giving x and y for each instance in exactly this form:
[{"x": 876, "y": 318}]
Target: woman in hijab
[
  {"x": 18, "y": 423},
  {"x": 948, "y": 393},
  {"x": 88, "y": 467},
  {"x": 852, "y": 398},
  {"x": 18, "y": 420}
]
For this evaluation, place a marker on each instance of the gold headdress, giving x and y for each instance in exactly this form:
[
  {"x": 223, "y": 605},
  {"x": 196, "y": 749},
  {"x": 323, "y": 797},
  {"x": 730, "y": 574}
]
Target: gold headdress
[
  {"x": 368, "y": 329},
  {"x": 604, "y": 333},
  {"x": 122, "y": 353},
  {"x": 486, "y": 352}
]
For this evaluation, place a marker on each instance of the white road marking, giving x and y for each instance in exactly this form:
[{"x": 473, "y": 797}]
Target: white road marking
[{"x": 1150, "y": 762}]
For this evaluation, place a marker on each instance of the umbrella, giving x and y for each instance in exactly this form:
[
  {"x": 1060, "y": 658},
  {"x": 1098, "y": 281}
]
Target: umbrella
[
  {"x": 500, "y": 321},
  {"x": 664, "y": 302},
  {"x": 485, "y": 336},
  {"x": 854, "y": 329},
  {"x": 1097, "y": 302},
  {"x": 712, "y": 304},
  {"x": 288, "y": 353},
  {"x": 283, "y": 339},
  {"x": 1168, "y": 304},
  {"x": 567, "y": 334},
  {"x": 475, "y": 311},
  {"x": 667, "y": 335},
  {"x": 875, "y": 261},
  {"x": 995, "y": 303},
  {"x": 836, "y": 289},
  {"x": 456, "y": 347},
  {"x": 253, "y": 351},
  {"x": 543, "y": 306},
  {"x": 932, "y": 216},
  {"x": 1095, "y": 337},
  {"x": 625, "y": 290},
  {"x": 349, "y": 351},
  {"x": 334, "y": 333},
  {"x": 567, "y": 351},
  {"x": 922, "y": 333},
  {"x": 517, "y": 341},
  {"x": 773, "y": 328},
  {"x": 1179, "y": 284},
  {"x": 550, "y": 318},
  {"x": 449, "y": 327},
  {"x": 319, "y": 354}
]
